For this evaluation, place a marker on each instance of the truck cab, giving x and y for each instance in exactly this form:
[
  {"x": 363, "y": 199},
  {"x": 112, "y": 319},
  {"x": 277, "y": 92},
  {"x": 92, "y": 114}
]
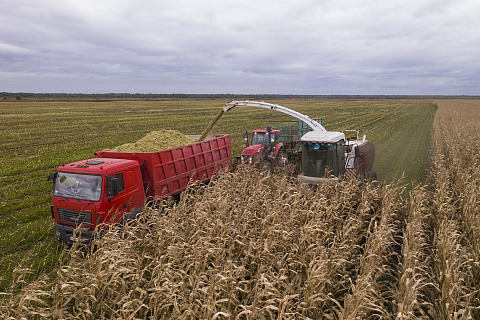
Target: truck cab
[{"x": 94, "y": 193}]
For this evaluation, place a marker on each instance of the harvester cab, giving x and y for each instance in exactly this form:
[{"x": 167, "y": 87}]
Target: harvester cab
[
  {"x": 330, "y": 156},
  {"x": 323, "y": 154}
]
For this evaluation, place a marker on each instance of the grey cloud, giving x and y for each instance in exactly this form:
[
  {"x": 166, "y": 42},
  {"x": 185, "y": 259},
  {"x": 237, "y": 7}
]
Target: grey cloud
[{"x": 301, "y": 47}]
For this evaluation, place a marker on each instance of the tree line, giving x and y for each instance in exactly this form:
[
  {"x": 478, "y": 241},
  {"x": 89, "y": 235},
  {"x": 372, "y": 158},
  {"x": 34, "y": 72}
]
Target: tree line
[{"x": 162, "y": 96}]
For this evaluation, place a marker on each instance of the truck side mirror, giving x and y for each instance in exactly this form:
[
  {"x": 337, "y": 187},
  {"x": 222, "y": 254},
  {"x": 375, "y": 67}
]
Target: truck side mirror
[{"x": 52, "y": 176}]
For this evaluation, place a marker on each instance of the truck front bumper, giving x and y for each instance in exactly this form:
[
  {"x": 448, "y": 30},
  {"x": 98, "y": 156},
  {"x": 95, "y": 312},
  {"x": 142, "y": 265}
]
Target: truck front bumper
[{"x": 66, "y": 233}]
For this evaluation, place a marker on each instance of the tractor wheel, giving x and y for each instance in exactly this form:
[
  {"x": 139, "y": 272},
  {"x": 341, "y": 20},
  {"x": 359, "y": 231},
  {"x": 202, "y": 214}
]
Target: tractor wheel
[{"x": 265, "y": 167}]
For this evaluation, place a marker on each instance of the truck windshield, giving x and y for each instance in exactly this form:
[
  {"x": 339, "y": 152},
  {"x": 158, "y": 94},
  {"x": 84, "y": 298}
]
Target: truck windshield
[
  {"x": 78, "y": 186},
  {"x": 319, "y": 159}
]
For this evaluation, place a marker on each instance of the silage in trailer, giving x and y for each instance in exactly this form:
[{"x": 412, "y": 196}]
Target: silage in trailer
[{"x": 157, "y": 141}]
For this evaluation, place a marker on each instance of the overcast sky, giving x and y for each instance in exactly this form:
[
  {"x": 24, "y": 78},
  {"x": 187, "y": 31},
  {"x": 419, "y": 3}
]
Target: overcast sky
[{"x": 241, "y": 47}]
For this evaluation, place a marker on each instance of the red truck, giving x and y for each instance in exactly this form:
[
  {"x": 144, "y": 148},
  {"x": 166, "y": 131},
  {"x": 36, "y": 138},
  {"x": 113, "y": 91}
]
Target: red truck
[{"x": 115, "y": 186}]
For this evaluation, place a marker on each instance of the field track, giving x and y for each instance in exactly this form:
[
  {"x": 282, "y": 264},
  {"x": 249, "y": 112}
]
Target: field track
[{"x": 251, "y": 248}]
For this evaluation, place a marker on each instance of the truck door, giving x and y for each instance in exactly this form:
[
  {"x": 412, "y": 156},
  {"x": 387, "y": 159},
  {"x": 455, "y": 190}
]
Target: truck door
[
  {"x": 117, "y": 198},
  {"x": 125, "y": 195}
]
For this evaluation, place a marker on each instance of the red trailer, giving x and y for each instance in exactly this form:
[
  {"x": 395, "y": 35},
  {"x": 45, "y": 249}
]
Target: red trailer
[{"x": 116, "y": 185}]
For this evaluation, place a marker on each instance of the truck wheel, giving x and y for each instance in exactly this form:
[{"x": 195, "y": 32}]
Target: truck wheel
[{"x": 265, "y": 167}]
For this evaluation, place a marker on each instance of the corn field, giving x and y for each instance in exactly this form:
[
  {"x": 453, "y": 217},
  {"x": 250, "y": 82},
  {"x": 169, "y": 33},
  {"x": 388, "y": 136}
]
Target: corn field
[{"x": 244, "y": 247}]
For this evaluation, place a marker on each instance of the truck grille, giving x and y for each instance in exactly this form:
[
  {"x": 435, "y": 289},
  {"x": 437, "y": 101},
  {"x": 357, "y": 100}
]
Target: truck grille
[{"x": 75, "y": 217}]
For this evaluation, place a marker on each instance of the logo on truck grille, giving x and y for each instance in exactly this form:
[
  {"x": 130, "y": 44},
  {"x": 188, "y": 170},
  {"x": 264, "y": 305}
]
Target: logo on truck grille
[{"x": 75, "y": 217}]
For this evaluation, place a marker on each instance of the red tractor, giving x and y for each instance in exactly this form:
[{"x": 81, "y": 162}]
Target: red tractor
[{"x": 264, "y": 151}]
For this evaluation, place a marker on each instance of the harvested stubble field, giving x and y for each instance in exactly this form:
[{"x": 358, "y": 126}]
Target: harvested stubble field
[{"x": 272, "y": 248}]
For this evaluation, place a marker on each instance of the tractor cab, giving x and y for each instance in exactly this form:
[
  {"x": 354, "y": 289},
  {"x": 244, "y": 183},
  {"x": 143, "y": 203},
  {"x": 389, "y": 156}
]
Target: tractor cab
[
  {"x": 262, "y": 137},
  {"x": 264, "y": 144}
]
